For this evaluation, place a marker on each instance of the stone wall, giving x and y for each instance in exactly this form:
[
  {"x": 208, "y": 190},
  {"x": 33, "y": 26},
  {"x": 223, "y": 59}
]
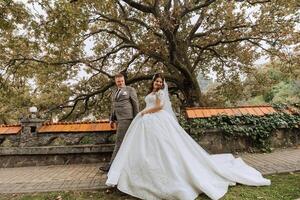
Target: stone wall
[
  {"x": 54, "y": 155},
  {"x": 56, "y": 149},
  {"x": 57, "y": 139},
  {"x": 33, "y": 148},
  {"x": 215, "y": 142},
  {"x": 9, "y": 140}
]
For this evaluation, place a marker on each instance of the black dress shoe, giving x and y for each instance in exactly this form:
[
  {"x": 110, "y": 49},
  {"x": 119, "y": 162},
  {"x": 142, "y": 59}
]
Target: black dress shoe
[{"x": 104, "y": 168}]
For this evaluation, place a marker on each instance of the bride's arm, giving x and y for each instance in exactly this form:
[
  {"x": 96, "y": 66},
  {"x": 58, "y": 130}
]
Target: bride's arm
[{"x": 158, "y": 106}]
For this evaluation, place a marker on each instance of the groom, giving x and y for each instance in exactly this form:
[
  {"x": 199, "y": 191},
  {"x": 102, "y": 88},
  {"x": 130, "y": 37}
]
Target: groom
[{"x": 124, "y": 108}]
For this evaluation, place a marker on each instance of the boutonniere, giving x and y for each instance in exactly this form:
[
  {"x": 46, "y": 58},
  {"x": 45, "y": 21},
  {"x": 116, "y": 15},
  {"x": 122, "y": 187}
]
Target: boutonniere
[{"x": 124, "y": 93}]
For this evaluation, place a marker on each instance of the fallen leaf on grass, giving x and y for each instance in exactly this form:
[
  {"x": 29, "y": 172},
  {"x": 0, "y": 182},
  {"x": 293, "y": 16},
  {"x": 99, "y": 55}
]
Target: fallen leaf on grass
[{"x": 58, "y": 198}]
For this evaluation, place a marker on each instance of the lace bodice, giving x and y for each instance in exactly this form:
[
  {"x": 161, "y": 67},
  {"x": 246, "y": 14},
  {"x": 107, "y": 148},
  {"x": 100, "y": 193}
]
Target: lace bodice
[{"x": 150, "y": 99}]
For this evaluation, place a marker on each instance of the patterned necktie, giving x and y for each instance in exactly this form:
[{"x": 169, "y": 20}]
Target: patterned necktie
[{"x": 117, "y": 93}]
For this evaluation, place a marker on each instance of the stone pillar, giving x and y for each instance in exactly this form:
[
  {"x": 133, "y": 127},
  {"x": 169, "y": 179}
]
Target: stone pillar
[{"x": 29, "y": 131}]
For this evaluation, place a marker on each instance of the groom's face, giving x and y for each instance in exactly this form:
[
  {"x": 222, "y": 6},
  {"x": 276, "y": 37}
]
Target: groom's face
[{"x": 120, "y": 82}]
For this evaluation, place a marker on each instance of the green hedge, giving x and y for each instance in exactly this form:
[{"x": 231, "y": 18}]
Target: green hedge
[{"x": 258, "y": 129}]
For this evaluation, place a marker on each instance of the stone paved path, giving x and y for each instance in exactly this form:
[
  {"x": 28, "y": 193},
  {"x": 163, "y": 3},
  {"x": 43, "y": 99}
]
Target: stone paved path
[
  {"x": 51, "y": 178},
  {"x": 88, "y": 177},
  {"x": 280, "y": 161}
]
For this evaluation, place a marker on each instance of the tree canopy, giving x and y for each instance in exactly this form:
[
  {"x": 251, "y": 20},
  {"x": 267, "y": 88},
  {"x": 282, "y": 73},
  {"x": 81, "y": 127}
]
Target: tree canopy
[
  {"x": 64, "y": 54},
  {"x": 276, "y": 82}
]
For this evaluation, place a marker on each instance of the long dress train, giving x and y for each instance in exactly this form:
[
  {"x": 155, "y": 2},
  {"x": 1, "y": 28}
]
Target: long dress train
[{"x": 159, "y": 160}]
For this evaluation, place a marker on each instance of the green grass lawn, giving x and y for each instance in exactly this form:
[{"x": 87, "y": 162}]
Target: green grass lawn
[{"x": 284, "y": 187}]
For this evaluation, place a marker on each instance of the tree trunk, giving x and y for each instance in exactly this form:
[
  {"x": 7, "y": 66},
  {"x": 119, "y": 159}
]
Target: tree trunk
[{"x": 192, "y": 93}]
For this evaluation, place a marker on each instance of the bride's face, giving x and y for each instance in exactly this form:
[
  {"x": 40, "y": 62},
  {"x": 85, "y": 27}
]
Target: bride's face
[{"x": 157, "y": 84}]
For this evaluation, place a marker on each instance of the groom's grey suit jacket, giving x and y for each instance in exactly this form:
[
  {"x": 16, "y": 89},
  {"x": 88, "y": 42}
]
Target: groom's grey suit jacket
[{"x": 124, "y": 105}]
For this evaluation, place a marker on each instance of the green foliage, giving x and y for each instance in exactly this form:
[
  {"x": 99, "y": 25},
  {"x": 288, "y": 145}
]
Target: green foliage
[
  {"x": 6, "y": 143},
  {"x": 257, "y": 128},
  {"x": 87, "y": 140},
  {"x": 58, "y": 142},
  {"x": 288, "y": 92},
  {"x": 275, "y": 82}
]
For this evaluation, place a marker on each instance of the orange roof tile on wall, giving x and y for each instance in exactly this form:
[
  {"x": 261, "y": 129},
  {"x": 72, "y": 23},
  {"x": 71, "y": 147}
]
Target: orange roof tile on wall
[
  {"x": 105, "y": 127},
  {"x": 271, "y": 110},
  {"x": 191, "y": 114},
  {"x": 199, "y": 112},
  {"x": 75, "y": 127},
  {"x": 214, "y": 112},
  {"x": 205, "y": 113},
  {"x": 236, "y": 112},
  {"x": 10, "y": 130},
  {"x": 251, "y": 111},
  {"x": 221, "y": 112},
  {"x": 258, "y": 111},
  {"x": 210, "y": 112},
  {"x": 264, "y": 110},
  {"x": 93, "y": 126},
  {"x": 244, "y": 111},
  {"x": 202, "y": 112},
  {"x": 229, "y": 111}
]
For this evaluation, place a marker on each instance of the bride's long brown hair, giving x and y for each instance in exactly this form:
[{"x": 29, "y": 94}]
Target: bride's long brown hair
[{"x": 156, "y": 76}]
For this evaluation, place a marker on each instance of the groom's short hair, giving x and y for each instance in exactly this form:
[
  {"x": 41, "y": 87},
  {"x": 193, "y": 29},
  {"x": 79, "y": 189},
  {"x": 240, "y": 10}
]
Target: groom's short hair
[{"x": 119, "y": 75}]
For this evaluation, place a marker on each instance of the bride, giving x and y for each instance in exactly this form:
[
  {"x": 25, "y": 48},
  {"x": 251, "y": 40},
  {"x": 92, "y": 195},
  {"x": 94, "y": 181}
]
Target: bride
[{"x": 159, "y": 160}]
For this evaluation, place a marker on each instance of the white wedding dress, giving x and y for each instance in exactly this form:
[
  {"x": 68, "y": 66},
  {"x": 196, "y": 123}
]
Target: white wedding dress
[{"x": 159, "y": 160}]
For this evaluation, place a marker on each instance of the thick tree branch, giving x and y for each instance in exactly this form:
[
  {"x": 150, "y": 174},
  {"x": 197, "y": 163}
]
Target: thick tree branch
[
  {"x": 86, "y": 36},
  {"x": 98, "y": 70},
  {"x": 132, "y": 60},
  {"x": 196, "y": 26},
  {"x": 219, "y": 56},
  {"x": 156, "y": 7},
  {"x": 86, "y": 97},
  {"x": 168, "y": 5},
  {"x": 198, "y": 59},
  {"x": 139, "y": 6},
  {"x": 216, "y": 30},
  {"x": 124, "y": 13},
  {"x": 258, "y": 2},
  {"x": 142, "y": 23},
  {"x": 113, "y": 20},
  {"x": 113, "y": 51},
  {"x": 221, "y": 41},
  {"x": 45, "y": 62},
  {"x": 83, "y": 97},
  {"x": 197, "y": 7}
]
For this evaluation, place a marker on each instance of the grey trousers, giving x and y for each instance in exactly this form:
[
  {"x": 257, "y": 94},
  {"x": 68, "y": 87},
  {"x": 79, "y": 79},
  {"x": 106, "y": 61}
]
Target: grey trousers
[{"x": 122, "y": 126}]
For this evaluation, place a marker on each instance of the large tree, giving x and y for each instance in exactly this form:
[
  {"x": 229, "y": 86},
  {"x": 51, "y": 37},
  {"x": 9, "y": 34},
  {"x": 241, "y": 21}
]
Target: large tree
[{"x": 179, "y": 38}]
